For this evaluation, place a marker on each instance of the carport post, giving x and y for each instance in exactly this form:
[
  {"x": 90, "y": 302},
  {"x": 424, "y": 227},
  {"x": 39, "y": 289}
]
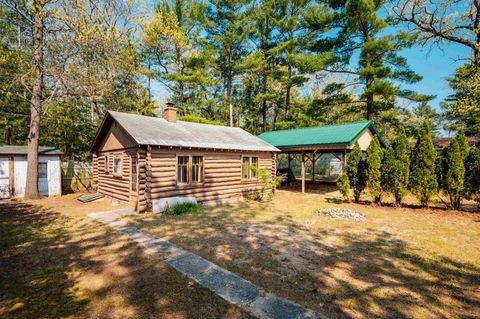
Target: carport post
[{"x": 303, "y": 172}]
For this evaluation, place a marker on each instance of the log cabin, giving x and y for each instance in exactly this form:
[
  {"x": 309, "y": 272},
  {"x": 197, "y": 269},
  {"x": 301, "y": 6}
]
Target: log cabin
[{"x": 143, "y": 160}]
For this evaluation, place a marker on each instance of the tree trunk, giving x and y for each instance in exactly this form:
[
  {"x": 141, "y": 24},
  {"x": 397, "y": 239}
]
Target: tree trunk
[
  {"x": 31, "y": 187},
  {"x": 287, "y": 93},
  {"x": 370, "y": 108}
]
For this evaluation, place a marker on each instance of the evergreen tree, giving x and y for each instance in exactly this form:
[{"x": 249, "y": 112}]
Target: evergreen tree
[
  {"x": 374, "y": 162},
  {"x": 343, "y": 185},
  {"x": 463, "y": 144},
  {"x": 472, "y": 174},
  {"x": 396, "y": 166},
  {"x": 455, "y": 174},
  {"x": 423, "y": 182},
  {"x": 356, "y": 171}
]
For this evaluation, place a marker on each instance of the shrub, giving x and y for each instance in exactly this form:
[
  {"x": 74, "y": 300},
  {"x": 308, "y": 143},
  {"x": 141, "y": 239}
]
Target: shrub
[
  {"x": 472, "y": 174},
  {"x": 455, "y": 174},
  {"x": 356, "y": 172},
  {"x": 266, "y": 185},
  {"x": 423, "y": 182},
  {"x": 183, "y": 208},
  {"x": 344, "y": 186},
  {"x": 396, "y": 167},
  {"x": 374, "y": 163}
]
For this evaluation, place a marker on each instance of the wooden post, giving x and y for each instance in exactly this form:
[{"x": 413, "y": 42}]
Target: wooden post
[
  {"x": 289, "y": 161},
  {"x": 344, "y": 160},
  {"x": 303, "y": 172},
  {"x": 314, "y": 160}
]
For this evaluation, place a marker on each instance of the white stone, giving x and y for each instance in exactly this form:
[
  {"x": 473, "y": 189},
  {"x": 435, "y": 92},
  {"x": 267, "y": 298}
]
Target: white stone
[{"x": 160, "y": 205}]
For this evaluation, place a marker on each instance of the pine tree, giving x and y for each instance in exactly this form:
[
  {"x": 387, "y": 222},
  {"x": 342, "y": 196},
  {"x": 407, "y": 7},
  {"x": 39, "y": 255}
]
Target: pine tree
[
  {"x": 374, "y": 163},
  {"x": 356, "y": 172},
  {"x": 343, "y": 185},
  {"x": 472, "y": 174},
  {"x": 463, "y": 144},
  {"x": 423, "y": 182},
  {"x": 396, "y": 167}
]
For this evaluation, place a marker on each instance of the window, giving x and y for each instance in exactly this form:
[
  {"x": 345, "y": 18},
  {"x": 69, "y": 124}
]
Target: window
[
  {"x": 117, "y": 166},
  {"x": 42, "y": 170},
  {"x": 182, "y": 169},
  {"x": 134, "y": 174},
  {"x": 197, "y": 163},
  {"x": 105, "y": 164},
  {"x": 253, "y": 167},
  {"x": 248, "y": 165}
]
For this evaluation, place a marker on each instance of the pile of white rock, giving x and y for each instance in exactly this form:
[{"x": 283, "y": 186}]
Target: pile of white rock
[{"x": 342, "y": 214}]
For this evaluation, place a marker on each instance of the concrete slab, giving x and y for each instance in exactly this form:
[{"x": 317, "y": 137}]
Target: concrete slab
[
  {"x": 272, "y": 307},
  {"x": 227, "y": 285}
]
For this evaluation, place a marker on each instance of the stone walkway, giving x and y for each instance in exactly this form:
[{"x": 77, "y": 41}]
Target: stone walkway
[{"x": 222, "y": 282}]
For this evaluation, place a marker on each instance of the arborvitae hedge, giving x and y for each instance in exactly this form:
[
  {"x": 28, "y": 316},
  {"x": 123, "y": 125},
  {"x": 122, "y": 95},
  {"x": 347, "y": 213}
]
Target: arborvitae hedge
[
  {"x": 374, "y": 174},
  {"x": 472, "y": 174},
  {"x": 455, "y": 174},
  {"x": 396, "y": 167},
  {"x": 423, "y": 182},
  {"x": 356, "y": 172}
]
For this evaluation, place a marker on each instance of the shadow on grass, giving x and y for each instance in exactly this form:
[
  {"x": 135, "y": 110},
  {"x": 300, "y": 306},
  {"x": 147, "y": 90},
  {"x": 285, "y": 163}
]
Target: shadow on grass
[
  {"x": 52, "y": 266},
  {"x": 371, "y": 275}
]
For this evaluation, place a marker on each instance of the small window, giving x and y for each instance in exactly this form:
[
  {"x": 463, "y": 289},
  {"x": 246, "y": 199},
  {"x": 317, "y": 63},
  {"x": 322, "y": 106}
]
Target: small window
[
  {"x": 197, "y": 164},
  {"x": 182, "y": 169},
  {"x": 248, "y": 167},
  {"x": 245, "y": 167},
  {"x": 42, "y": 170},
  {"x": 117, "y": 166},
  {"x": 105, "y": 164}
]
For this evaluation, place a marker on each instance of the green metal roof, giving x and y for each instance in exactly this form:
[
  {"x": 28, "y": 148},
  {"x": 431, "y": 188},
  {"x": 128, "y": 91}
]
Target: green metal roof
[{"x": 327, "y": 135}]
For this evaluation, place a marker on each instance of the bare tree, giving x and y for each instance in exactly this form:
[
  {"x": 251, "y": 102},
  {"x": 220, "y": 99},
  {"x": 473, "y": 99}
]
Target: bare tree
[{"x": 439, "y": 21}]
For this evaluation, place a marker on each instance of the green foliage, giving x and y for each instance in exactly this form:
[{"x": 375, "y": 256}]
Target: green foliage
[
  {"x": 198, "y": 119},
  {"x": 267, "y": 184},
  {"x": 396, "y": 166},
  {"x": 454, "y": 174},
  {"x": 183, "y": 208},
  {"x": 463, "y": 106},
  {"x": 356, "y": 170},
  {"x": 423, "y": 182},
  {"x": 343, "y": 185},
  {"x": 472, "y": 174},
  {"x": 374, "y": 162}
]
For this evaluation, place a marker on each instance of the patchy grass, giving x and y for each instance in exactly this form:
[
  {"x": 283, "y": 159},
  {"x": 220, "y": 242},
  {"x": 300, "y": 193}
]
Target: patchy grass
[
  {"x": 399, "y": 262},
  {"x": 183, "y": 208},
  {"x": 56, "y": 266}
]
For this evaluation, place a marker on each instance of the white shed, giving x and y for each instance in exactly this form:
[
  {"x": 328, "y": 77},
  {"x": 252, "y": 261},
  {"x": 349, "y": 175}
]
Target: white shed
[{"x": 13, "y": 171}]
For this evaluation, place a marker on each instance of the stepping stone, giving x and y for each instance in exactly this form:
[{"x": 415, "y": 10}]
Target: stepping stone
[
  {"x": 227, "y": 285},
  {"x": 272, "y": 307}
]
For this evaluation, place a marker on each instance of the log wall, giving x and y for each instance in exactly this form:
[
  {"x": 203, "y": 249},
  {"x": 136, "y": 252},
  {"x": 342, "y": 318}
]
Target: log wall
[{"x": 117, "y": 187}]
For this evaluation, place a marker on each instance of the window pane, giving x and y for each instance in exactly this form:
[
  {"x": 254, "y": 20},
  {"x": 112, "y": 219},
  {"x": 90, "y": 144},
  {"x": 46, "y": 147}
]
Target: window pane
[
  {"x": 254, "y": 163},
  {"x": 245, "y": 167},
  {"x": 182, "y": 169},
  {"x": 117, "y": 166},
  {"x": 197, "y": 168},
  {"x": 42, "y": 170}
]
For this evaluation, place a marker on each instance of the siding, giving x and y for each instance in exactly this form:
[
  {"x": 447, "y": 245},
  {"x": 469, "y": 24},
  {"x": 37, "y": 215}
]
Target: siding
[
  {"x": 117, "y": 187},
  {"x": 222, "y": 175}
]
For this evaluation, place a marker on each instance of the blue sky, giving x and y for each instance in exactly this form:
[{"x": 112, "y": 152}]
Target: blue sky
[{"x": 435, "y": 65}]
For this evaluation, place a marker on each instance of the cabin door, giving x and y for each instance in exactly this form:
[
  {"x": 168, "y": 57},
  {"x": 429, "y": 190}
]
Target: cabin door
[{"x": 4, "y": 178}]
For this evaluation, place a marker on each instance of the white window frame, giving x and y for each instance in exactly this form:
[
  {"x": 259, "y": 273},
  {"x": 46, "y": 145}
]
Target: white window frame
[
  {"x": 119, "y": 166},
  {"x": 251, "y": 175}
]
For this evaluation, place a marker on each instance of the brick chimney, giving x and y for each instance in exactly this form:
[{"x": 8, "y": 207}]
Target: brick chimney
[{"x": 170, "y": 112}]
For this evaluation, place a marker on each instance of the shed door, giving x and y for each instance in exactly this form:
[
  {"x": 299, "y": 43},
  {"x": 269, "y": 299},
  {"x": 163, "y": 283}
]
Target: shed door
[
  {"x": 43, "y": 178},
  {"x": 4, "y": 178}
]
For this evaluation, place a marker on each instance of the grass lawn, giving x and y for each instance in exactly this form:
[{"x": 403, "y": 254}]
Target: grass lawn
[
  {"x": 57, "y": 263},
  {"x": 399, "y": 262}
]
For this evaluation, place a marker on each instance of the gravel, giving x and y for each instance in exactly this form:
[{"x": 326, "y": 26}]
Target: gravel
[{"x": 342, "y": 214}]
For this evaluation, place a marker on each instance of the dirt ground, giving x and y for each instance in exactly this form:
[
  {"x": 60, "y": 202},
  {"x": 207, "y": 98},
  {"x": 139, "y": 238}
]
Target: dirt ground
[
  {"x": 399, "y": 262},
  {"x": 56, "y": 263}
]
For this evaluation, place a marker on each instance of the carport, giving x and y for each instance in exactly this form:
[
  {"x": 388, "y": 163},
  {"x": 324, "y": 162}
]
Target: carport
[{"x": 311, "y": 143}]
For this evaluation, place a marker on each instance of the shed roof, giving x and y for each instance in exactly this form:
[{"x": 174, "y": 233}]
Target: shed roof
[
  {"x": 327, "y": 135},
  {"x": 23, "y": 150},
  {"x": 148, "y": 130}
]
